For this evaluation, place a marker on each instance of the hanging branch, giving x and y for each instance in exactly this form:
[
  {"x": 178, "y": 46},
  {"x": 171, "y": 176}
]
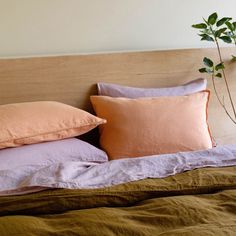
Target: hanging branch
[
  {"x": 221, "y": 102},
  {"x": 213, "y": 30}
]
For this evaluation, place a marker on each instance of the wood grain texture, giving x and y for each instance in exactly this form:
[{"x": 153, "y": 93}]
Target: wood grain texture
[{"x": 72, "y": 79}]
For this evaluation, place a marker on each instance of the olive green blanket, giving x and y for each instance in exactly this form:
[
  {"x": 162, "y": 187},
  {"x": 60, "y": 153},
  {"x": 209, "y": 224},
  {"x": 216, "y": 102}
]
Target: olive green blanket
[{"x": 198, "y": 202}]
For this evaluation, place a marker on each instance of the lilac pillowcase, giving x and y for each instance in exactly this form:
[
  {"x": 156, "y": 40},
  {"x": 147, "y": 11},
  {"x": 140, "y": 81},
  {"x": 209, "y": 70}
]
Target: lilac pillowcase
[
  {"x": 115, "y": 90},
  {"x": 48, "y": 153}
]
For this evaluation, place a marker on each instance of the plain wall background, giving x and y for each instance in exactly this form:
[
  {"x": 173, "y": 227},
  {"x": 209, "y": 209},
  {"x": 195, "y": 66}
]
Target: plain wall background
[{"x": 41, "y": 27}]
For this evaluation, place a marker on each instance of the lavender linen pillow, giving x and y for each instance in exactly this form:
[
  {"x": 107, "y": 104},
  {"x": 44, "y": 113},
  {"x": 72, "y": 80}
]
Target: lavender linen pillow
[
  {"x": 47, "y": 153},
  {"x": 115, "y": 90}
]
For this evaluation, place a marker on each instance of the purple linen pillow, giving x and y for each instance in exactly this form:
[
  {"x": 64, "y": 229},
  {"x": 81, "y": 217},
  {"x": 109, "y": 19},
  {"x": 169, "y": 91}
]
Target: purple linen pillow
[
  {"x": 47, "y": 153},
  {"x": 115, "y": 90}
]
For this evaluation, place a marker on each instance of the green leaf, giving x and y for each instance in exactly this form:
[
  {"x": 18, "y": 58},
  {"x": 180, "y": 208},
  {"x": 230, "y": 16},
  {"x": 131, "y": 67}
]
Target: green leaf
[
  {"x": 212, "y": 18},
  {"x": 200, "y": 26},
  {"x": 219, "y": 75},
  {"x": 219, "y": 67},
  {"x": 219, "y": 32},
  {"x": 223, "y": 21},
  {"x": 203, "y": 35},
  {"x": 233, "y": 58},
  {"x": 203, "y": 70},
  {"x": 226, "y": 39},
  {"x": 234, "y": 25},
  {"x": 230, "y": 26},
  {"x": 206, "y": 37},
  {"x": 208, "y": 62}
]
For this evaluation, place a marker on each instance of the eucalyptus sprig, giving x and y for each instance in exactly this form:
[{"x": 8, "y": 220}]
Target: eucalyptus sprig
[
  {"x": 211, "y": 68},
  {"x": 216, "y": 72},
  {"x": 232, "y": 34},
  {"x": 214, "y": 30}
]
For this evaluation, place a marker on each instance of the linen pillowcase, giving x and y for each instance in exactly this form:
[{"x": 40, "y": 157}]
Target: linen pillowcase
[
  {"x": 34, "y": 122},
  {"x": 115, "y": 90},
  {"x": 44, "y": 154},
  {"x": 148, "y": 126}
]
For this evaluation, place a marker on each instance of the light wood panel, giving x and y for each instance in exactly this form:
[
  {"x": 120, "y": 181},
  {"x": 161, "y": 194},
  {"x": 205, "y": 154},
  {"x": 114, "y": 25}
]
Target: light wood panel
[{"x": 72, "y": 79}]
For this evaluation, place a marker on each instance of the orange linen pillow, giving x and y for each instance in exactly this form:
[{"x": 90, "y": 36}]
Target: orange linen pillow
[
  {"x": 147, "y": 126},
  {"x": 35, "y": 122}
]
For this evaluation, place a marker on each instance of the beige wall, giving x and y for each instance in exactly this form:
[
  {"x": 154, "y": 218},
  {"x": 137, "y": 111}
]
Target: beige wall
[{"x": 35, "y": 27}]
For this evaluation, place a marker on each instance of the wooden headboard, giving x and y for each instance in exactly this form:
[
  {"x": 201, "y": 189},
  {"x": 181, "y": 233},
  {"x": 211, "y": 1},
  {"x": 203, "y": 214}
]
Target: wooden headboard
[{"x": 72, "y": 79}]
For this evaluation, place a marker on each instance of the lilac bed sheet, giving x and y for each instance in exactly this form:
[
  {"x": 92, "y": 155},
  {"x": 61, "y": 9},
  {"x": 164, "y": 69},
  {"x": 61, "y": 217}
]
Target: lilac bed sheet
[{"x": 84, "y": 175}]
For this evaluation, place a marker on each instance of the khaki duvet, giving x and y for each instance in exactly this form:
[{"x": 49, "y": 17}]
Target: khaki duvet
[{"x": 197, "y": 202}]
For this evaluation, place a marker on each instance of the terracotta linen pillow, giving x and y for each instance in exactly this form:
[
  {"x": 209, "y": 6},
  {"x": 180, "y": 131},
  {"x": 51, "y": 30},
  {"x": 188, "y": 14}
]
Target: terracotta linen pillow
[
  {"x": 115, "y": 90},
  {"x": 148, "y": 126},
  {"x": 35, "y": 122}
]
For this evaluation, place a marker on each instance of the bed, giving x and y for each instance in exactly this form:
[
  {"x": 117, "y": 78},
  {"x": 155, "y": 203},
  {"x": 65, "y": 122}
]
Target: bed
[{"x": 192, "y": 201}]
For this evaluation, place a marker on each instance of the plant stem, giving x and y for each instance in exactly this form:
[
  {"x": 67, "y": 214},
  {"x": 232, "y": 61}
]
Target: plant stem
[
  {"x": 221, "y": 103},
  {"x": 225, "y": 78},
  {"x": 234, "y": 34}
]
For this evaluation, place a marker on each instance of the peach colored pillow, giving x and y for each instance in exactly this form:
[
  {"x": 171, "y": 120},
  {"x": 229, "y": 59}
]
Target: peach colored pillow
[
  {"x": 147, "y": 126},
  {"x": 35, "y": 122}
]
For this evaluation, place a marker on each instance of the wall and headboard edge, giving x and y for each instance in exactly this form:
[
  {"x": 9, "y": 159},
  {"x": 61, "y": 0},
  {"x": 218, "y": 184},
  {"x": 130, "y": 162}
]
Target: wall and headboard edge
[{"x": 72, "y": 79}]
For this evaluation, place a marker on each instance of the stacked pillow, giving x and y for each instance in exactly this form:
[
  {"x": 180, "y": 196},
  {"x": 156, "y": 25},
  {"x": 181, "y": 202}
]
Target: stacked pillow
[
  {"x": 140, "y": 122},
  {"x": 49, "y": 127},
  {"x": 144, "y": 122},
  {"x": 114, "y": 90}
]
